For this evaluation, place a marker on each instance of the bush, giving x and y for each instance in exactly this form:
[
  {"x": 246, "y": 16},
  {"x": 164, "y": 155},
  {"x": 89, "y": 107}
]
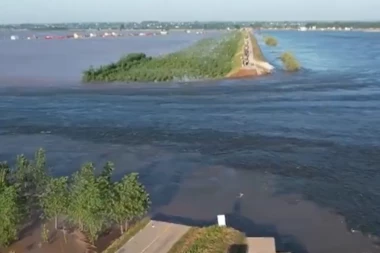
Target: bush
[
  {"x": 271, "y": 41},
  {"x": 290, "y": 62}
]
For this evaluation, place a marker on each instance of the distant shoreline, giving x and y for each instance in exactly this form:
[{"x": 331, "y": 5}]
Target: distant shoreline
[
  {"x": 321, "y": 30},
  {"x": 203, "y": 30}
]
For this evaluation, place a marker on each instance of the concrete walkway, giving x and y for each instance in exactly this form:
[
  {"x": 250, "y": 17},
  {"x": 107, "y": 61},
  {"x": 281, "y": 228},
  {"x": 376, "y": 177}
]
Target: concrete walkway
[{"x": 156, "y": 237}]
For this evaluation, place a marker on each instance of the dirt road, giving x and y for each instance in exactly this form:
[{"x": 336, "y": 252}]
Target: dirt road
[{"x": 156, "y": 237}]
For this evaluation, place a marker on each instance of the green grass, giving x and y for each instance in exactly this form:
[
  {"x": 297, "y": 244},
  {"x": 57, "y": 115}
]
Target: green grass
[
  {"x": 290, "y": 62},
  {"x": 236, "y": 61},
  {"x": 212, "y": 239},
  {"x": 132, "y": 231}
]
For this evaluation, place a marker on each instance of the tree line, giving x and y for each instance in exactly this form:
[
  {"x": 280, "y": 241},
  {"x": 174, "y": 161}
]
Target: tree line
[
  {"x": 207, "y": 59},
  {"x": 88, "y": 201}
]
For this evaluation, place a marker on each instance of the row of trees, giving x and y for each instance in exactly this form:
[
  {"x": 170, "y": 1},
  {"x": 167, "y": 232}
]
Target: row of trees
[
  {"x": 88, "y": 201},
  {"x": 208, "y": 59}
]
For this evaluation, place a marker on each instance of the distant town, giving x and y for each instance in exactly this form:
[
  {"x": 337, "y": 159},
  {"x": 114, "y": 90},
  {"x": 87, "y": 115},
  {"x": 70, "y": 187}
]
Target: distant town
[
  {"x": 157, "y": 25},
  {"x": 157, "y": 28}
]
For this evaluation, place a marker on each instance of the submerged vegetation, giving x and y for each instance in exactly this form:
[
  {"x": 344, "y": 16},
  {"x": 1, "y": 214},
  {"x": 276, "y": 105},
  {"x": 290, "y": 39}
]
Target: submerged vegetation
[
  {"x": 207, "y": 59},
  {"x": 88, "y": 202},
  {"x": 270, "y": 41},
  {"x": 210, "y": 239},
  {"x": 291, "y": 64}
]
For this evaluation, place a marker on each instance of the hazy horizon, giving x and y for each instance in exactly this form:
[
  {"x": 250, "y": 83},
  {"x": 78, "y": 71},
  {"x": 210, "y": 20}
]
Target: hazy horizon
[
  {"x": 67, "y": 11},
  {"x": 190, "y": 21}
]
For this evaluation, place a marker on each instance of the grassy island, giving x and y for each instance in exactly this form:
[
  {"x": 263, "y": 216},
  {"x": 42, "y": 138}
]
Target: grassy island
[
  {"x": 290, "y": 62},
  {"x": 207, "y": 59}
]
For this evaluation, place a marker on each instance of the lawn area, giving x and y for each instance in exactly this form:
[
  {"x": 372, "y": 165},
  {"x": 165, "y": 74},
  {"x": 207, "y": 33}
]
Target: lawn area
[{"x": 212, "y": 239}]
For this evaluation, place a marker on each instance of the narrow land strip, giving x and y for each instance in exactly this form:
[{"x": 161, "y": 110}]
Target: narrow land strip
[
  {"x": 156, "y": 237},
  {"x": 251, "y": 64}
]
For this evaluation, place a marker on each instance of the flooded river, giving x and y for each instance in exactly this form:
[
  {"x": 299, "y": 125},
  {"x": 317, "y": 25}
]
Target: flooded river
[{"x": 303, "y": 149}]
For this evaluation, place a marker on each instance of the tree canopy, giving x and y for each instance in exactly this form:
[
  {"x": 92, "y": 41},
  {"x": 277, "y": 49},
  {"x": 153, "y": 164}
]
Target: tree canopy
[{"x": 88, "y": 201}]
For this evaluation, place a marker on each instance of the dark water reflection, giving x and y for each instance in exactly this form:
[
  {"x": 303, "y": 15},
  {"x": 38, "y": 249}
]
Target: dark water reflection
[{"x": 303, "y": 148}]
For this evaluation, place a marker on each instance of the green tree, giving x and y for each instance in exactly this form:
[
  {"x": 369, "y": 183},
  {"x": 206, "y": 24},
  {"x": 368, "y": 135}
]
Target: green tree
[
  {"x": 85, "y": 207},
  {"x": 40, "y": 175},
  {"x": 55, "y": 200},
  {"x": 30, "y": 178},
  {"x": 9, "y": 214},
  {"x": 290, "y": 62},
  {"x": 4, "y": 174},
  {"x": 130, "y": 200},
  {"x": 105, "y": 187},
  {"x": 270, "y": 41}
]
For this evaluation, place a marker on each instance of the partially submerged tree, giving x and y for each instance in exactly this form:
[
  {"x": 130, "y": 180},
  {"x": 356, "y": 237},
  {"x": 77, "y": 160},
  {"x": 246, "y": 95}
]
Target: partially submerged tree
[
  {"x": 129, "y": 200},
  {"x": 270, "y": 41},
  {"x": 291, "y": 64},
  {"x": 55, "y": 200}
]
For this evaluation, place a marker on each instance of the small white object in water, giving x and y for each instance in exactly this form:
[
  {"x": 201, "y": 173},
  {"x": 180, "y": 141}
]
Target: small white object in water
[
  {"x": 240, "y": 195},
  {"x": 221, "y": 220},
  {"x": 353, "y": 230}
]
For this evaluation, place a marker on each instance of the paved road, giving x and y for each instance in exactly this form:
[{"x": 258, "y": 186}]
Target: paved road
[{"x": 156, "y": 237}]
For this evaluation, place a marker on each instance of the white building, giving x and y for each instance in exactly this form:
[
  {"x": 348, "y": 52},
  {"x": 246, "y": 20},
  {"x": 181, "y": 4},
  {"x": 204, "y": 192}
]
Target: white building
[{"x": 14, "y": 37}]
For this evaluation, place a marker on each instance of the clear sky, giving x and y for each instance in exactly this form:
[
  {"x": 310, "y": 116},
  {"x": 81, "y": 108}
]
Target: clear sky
[{"x": 51, "y": 11}]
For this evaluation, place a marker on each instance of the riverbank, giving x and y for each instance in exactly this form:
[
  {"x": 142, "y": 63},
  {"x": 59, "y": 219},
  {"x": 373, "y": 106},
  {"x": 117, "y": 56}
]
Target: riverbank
[{"x": 249, "y": 61}]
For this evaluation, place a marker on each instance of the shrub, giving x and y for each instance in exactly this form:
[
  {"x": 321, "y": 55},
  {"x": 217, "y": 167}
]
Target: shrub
[
  {"x": 290, "y": 62},
  {"x": 270, "y": 41}
]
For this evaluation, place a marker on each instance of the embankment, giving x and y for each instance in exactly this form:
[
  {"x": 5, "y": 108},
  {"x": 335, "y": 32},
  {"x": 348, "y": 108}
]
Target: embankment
[{"x": 249, "y": 60}]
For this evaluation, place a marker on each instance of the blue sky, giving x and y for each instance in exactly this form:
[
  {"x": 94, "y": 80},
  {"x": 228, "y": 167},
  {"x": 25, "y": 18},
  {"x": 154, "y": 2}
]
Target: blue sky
[{"x": 40, "y": 11}]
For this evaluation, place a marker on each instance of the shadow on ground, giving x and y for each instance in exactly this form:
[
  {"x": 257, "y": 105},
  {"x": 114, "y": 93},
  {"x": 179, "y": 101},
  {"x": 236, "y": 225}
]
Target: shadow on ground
[
  {"x": 238, "y": 248},
  {"x": 284, "y": 242}
]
